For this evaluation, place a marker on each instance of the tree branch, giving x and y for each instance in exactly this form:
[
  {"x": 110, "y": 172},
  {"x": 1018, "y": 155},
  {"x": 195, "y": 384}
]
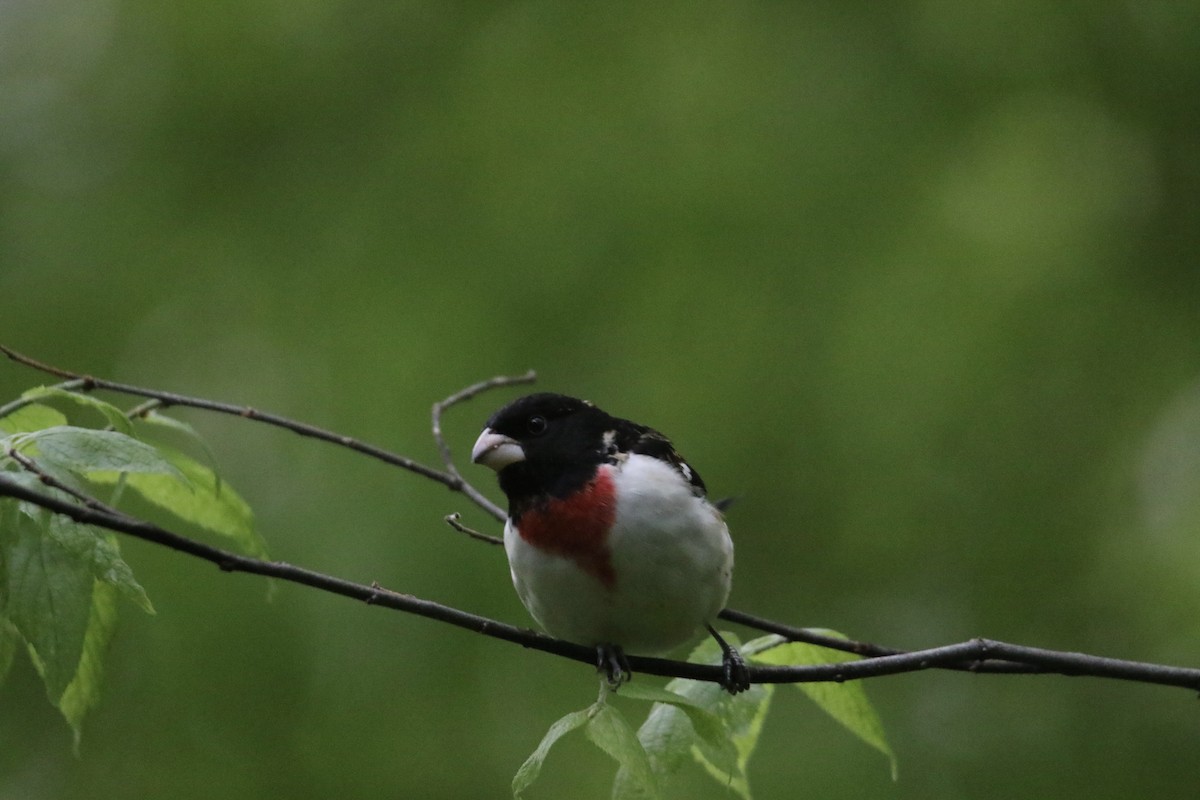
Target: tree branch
[
  {"x": 792, "y": 633},
  {"x": 975, "y": 649},
  {"x": 165, "y": 399},
  {"x": 975, "y": 655}
]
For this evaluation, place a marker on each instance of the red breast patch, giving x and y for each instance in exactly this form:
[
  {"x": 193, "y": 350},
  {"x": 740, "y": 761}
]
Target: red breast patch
[{"x": 576, "y": 527}]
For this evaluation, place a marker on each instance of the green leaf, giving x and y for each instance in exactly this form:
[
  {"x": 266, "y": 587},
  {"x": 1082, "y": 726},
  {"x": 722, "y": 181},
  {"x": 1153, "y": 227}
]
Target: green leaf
[
  {"x": 201, "y": 499},
  {"x": 90, "y": 546},
  {"x": 112, "y": 415},
  {"x": 744, "y": 718},
  {"x": 608, "y": 730},
  {"x": 662, "y": 741},
  {"x": 762, "y": 644},
  {"x": 87, "y": 543},
  {"x": 85, "y": 451},
  {"x": 32, "y": 417},
  {"x": 99, "y": 549},
  {"x": 47, "y": 593},
  {"x": 742, "y": 715},
  {"x": 83, "y": 692},
  {"x": 153, "y": 425},
  {"x": 529, "y": 771},
  {"x": 667, "y": 737},
  {"x": 672, "y": 735},
  {"x": 59, "y": 584},
  {"x": 845, "y": 702}
]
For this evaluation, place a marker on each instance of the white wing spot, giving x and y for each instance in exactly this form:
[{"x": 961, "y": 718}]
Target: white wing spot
[{"x": 610, "y": 446}]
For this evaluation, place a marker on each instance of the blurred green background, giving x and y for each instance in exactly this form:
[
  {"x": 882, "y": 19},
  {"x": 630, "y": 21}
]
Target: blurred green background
[{"x": 917, "y": 281}]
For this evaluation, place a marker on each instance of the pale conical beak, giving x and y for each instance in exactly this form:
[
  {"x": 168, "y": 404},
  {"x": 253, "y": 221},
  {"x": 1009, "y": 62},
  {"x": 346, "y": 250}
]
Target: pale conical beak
[{"x": 496, "y": 451}]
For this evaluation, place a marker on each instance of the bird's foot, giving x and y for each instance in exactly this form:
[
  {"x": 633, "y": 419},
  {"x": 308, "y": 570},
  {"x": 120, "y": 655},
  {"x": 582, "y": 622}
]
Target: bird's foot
[
  {"x": 610, "y": 660},
  {"x": 735, "y": 676}
]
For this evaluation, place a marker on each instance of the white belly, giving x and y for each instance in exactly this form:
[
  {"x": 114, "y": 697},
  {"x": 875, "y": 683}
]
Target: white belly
[{"x": 673, "y": 560}]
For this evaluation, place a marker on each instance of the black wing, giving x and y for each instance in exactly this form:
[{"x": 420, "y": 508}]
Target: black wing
[{"x": 633, "y": 438}]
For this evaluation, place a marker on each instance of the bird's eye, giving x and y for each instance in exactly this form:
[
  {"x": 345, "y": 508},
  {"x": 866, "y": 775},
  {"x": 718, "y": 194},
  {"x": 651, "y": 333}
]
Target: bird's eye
[{"x": 536, "y": 425}]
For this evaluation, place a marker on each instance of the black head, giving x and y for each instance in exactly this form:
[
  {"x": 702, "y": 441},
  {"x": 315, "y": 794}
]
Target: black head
[
  {"x": 543, "y": 430},
  {"x": 550, "y": 444},
  {"x": 546, "y": 445}
]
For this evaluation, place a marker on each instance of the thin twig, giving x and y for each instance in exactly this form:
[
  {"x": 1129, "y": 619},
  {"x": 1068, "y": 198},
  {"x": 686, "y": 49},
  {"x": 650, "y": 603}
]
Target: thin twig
[
  {"x": 87, "y": 383},
  {"x": 142, "y": 409},
  {"x": 32, "y": 467},
  {"x": 465, "y": 486},
  {"x": 455, "y": 521}
]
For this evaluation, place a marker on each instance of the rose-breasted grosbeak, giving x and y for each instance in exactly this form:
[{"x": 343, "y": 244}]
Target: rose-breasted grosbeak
[{"x": 610, "y": 538}]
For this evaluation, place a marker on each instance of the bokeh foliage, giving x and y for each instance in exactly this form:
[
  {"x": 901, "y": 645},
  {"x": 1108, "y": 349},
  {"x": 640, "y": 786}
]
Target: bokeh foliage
[{"x": 918, "y": 282}]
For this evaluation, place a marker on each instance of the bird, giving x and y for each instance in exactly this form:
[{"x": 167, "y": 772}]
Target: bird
[{"x": 611, "y": 539}]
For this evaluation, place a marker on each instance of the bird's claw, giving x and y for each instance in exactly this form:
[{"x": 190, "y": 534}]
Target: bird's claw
[
  {"x": 611, "y": 660},
  {"x": 735, "y": 676}
]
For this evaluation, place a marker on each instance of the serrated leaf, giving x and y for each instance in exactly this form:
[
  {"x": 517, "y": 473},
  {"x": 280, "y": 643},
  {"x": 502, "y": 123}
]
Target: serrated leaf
[
  {"x": 32, "y": 417},
  {"x": 112, "y": 415},
  {"x": 9, "y": 507},
  {"x": 667, "y": 736},
  {"x": 671, "y": 737},
  {"x": 85, "y": 451},
  {"x": 59, "y": 584},
  {"x": 97, "y": 549},
  {"x": 83, "y": 692},
  {"x": 203, "y": 500},
  {"x": 160, "y": 428},
  {"x": 608, "y": 730},
  {"x": 659, "y": 739},
  {"x": 34, "y": 482},
  {"x": 742, "y": 716},
  {"x": 47, "y": 593},
  {"x": 100, "y": 550},
  {"x": 747, "y": 713},
  {"x": 529, "y": 771},
  {"x": 845, "y": 702}
]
